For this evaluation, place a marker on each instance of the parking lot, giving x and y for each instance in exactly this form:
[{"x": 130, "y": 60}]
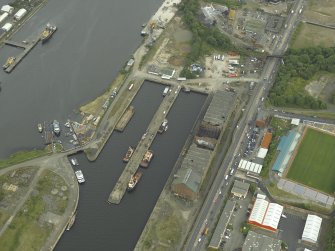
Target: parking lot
[{"x": 290, "y": 230}]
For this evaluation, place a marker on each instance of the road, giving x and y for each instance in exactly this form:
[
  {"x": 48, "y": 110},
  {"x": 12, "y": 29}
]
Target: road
[{"x": 218, "y": 190}]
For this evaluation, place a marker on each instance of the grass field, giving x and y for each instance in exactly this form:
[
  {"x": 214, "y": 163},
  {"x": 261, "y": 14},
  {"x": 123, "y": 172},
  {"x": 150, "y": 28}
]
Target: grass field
[
  {"x": 314, "y": 163},
  {"x": 310, "y": 36}
]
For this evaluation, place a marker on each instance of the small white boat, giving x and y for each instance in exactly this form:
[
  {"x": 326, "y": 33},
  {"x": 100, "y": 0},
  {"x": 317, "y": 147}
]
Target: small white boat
[
  {"x": 80, "y": 176},
  {"x": 74, "y": 162},
  {"x": 40, "y": 127}
]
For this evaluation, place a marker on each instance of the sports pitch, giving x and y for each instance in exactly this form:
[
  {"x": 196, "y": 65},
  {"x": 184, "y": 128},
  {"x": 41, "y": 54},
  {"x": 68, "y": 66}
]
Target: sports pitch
[{"x": 314, "y": 163}]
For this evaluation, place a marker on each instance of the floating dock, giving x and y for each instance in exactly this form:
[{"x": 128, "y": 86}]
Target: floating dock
[
  {"x": 120, "y": 188},
  {"x": 27, "y": 47},
  {"x": 124, "y": 120}
]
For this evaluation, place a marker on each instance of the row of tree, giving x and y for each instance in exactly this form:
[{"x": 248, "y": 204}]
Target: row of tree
[
  {"x": 300, "y": 66},
  {"x": 204, "y": 38}
]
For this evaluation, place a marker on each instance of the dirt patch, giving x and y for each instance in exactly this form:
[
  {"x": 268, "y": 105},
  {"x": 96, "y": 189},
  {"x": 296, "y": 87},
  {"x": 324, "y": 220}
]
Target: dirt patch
[
  {"x": 173, "y": 49},
  {"x": 322, "y": 88},
  {"x": 315, "y": 88}
]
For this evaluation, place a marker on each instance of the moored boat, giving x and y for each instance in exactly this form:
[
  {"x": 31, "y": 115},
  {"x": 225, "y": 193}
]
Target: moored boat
[
  {"x": 80, "y": 176},
  {"x": 147, "y": 158},
  {"x": 128, "y": 155},
  {"x": 56, "y": 127},
  {"x": 74, "y": 161},
  {"x": 9, "y": 62},
  {"x": 163, "y": 127},
  {"x": 48, "y": 32},
  {"x": 71, "y": 222},
  {"x": 39, "y": 127},
  {"x": 134, "y": 180}
]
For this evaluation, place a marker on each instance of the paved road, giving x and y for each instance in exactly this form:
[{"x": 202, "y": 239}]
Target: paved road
[{"x": 218, "y": 191}]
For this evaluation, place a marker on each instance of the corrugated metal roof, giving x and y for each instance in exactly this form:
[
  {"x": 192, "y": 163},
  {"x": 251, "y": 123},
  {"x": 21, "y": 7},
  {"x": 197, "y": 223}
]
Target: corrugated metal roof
[
  {"x": 266, "y": 140},
  {"x": 266, "y": 214},
  {"x": 312, "y": 228}
]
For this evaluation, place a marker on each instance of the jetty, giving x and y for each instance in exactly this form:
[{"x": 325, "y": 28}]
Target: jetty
[
  {"x": 119, "y": 190},
  {"x": 27, "y": 47},
  {"x": 124, "y": 120}
]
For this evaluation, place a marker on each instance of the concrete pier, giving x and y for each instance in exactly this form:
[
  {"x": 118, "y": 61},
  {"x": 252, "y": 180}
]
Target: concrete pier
[
  {"x": 27, "y": 48},
  {"x": 144, "y": 144}
]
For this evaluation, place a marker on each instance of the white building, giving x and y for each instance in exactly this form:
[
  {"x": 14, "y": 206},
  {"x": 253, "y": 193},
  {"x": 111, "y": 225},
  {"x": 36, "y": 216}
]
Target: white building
[
  {"x": 266, "y": 215},
  {"x": 3, "y": 16},
  {"x": 262, "y": 153},
  {"x": 20, "y": 13},
  {"x": 312, "y": 228},
  {"x": 249, "y": 166},
  {"x": 7, "y": 27},
  {"x": 7, "y": 9}
]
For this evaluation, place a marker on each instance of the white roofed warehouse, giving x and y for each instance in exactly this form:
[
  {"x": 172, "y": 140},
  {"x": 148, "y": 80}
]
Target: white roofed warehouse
[
  {"x": 21, "y": 12},
  {"x": 266, "y": 215},
  {"x": 312, "y": 228}
]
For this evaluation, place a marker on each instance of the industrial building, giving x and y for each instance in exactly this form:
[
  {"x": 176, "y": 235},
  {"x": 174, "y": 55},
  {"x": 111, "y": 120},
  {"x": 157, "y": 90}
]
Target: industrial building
[
  {"x": 312, "y": 228},
  {"x": 195, "y": 164},
  {"x": 7, "y": 9},
  {"x": 260, "y": 242},
  {"x": 3, "y": 16},
  {"x": 222, "y": 224},
  {"x": 20, "y": 14},
  {"x": 7, "y": 27},
  {"x": 249, "y": 166},
  {"x": 189, "y": 177},
  {"x": 263, "y": 150},
  {"x": 220, "y": 108},
  {"x": 265, "y": 215},
  {"x": 240, "y": 189},
  {"x": 286, "y": 147},
  {"x": 261, "y": 119}
]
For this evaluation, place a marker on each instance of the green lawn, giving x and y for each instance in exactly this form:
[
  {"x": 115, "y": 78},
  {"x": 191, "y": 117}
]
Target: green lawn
[{"x": 314, "y": 162}]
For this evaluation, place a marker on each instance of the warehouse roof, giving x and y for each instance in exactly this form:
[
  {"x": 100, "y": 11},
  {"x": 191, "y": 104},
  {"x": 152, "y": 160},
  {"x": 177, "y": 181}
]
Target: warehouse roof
[
  {"x": 240, "y": 188},
  {"x": 265, "y": 214},
  {"x": 222, "y": 224},
  {"x": 312, "y": 228},
  {"x": 219, "y": 108},
  {"x": 266, "y": 140},
  {"x": 262, "y": 153},
  {"x": 259, "y": 242},
  {"x": 250, "y": 166},
  {"x": 193, "y": 167}
]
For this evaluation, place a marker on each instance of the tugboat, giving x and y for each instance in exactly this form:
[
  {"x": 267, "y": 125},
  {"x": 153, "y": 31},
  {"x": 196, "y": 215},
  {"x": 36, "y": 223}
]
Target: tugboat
[
  {"x": 39, "y": 127},
  {"x": 163, "y": 127},
  {"x": 128, "y": 155},
  {"x": 56, "y": 127},
  {"x": 147, "y": 158},
  {"x": 134, "y": 180},
  {"x": 71, "y": 222},
  {"x": 48, "y": 32},
  {"x": 9, "y": 62}
]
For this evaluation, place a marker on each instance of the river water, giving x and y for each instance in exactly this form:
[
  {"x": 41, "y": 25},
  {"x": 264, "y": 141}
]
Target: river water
[
  {"x": 93, "y": 41},
  {"x": 101, "y": 226}
]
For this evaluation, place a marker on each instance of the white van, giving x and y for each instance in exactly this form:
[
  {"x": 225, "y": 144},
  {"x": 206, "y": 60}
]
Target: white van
[{"x": 226, "y": 178}]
